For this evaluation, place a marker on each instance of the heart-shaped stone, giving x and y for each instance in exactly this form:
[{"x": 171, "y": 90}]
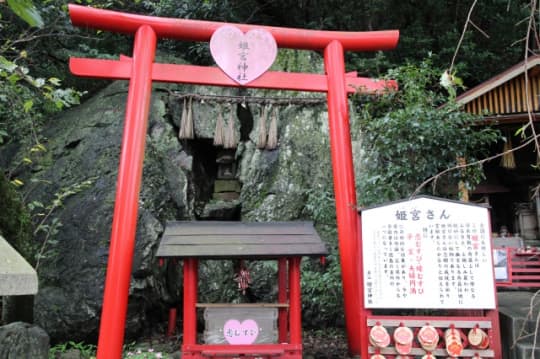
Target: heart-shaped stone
[
  {"x": 243, "y": 57},
  {"x": 240, "y": 333}
]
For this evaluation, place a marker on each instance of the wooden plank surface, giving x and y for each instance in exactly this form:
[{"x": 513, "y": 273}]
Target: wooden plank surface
[
  {"x": 232, "y": 228},
  {"x": 218, "y": 239},
  {"x": 244, "y": 251},
  {"x": 239, "y": 239},
  {"x": 242, "y": 305}
]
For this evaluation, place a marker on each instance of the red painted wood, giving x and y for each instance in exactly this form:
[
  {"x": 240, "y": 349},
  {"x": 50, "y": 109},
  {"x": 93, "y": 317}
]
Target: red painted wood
[
  {"x": 190, "y": 301},
  {"x": 495, "y": 332},
  {"x": 204, "y": 75},
  {"x": 523, "y": 269},
  {"x": 171, "y": 326},
  {"x": 364, "y": 312},
  {"x": 295, "y": 303},
  {"x": 283, "y": 350},
  {"x": 126, "y": 205},
  {"x": 283, "y": 328},
  {"x": 345, "y": 192},
  {"x": 196, "y": 30}
]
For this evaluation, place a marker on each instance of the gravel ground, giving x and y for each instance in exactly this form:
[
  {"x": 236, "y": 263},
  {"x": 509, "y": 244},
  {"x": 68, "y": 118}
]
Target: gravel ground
[{"x": 330, "y": 343}]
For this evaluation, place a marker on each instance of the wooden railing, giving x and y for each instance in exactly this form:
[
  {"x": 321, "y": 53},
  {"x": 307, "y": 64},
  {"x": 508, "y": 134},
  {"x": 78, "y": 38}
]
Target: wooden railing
[{"x": 521, "y": 268}]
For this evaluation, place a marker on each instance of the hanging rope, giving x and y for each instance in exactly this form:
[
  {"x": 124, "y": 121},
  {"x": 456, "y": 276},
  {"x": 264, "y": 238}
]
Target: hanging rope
[
  {"x": 261, "y": 139},
  {"x": 230, "y": 140},
  {"x": 281, "y": 101},
  {"x": 225, "y": 133},
  {"x": 186, "y": 123},
  {"x": 218, "y": 132},
  {"x": 273, "y": 130}
]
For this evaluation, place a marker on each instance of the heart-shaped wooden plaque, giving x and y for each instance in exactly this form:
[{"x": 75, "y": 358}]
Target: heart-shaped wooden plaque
[{"x": 243, "y": 57}]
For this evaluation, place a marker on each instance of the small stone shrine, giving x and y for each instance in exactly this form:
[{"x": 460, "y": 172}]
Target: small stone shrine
[{"x": 246, "y": 330}]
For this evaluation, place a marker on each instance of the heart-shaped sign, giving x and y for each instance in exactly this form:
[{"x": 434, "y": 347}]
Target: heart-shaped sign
[
  {"x": 243, "y": 57},
  {"x": 240, "y": 333}
]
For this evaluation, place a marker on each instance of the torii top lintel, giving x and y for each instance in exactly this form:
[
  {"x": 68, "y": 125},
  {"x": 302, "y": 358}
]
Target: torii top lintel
[{"x": 197, "y": 30}]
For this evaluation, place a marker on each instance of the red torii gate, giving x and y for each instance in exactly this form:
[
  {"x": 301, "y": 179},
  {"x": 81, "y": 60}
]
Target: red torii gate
[{"x": 141, "y": 71}]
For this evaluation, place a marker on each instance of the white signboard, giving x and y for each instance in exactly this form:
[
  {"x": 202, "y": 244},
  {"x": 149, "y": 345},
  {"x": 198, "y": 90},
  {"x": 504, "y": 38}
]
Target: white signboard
[{"x": 427, "y": 253}]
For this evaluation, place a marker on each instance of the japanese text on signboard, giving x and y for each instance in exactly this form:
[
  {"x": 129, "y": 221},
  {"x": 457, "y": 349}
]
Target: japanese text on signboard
[{"x": 427, "y": 254}]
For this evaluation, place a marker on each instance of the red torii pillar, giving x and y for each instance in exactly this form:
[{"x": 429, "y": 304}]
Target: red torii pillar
[{"x": 141, "y": 71}]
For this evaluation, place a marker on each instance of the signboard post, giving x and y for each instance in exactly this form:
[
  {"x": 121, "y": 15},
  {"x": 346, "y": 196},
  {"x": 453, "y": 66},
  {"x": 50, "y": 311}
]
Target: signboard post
[{"x": 429, "y": 253}]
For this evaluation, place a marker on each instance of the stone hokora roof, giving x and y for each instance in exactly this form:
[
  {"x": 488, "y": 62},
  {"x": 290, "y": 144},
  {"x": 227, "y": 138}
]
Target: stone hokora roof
[
  {"x": 17, "y": 277},
  {"x": 215, "y": 239}
]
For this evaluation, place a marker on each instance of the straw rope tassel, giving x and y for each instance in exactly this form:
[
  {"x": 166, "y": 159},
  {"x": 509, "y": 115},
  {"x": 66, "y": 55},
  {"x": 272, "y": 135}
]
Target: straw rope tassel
[
  {"x": 218, "y": 133},
  {"x": 508, "y": 160},
  {"x": 182, "y": 128},
  {"x": 189, "y": 122},
  {"x": 230, "y": 140},
  {"x": 261, "y": 139},
  {"x": 186, "y": 123},
  {"x": 273, "y": 130}
]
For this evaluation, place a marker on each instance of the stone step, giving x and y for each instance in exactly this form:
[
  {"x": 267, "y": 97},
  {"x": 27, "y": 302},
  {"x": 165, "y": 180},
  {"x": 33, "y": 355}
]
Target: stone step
[
  {"x": 230, "y": 185},
  {"x": 525, "y": 350},
  {"x": 518, "y": 311}
]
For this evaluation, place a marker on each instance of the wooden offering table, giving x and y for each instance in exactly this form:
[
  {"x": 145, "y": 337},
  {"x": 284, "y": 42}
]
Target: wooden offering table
[{"x": 247, "y": 330}]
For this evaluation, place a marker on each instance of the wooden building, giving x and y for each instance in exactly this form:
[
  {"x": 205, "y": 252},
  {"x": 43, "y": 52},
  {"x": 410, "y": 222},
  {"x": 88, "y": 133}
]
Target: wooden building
[{"x": 508, "y": 101}]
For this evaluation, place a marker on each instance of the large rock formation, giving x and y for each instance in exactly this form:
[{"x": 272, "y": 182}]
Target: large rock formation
[
  {"x": 179, "y": 182},
  {"x": 23, "y": 341}
]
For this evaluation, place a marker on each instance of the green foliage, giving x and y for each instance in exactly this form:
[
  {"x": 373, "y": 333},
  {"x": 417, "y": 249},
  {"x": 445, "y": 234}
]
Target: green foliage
[
  {"x": 144, "y": 354},
  {"x": 322, "y": 291},
  {"x": 15, "y": 221},
  {"x": 413, "y": 134},
  {"x": 24, "y": 100},
  {"x": 321, "y": 284},
  {"x": 46, "y": 225},
  {"x": 26, "y": 10},
  {"x": 86, "y": 351},
  {"x": 142, "y": 351}
]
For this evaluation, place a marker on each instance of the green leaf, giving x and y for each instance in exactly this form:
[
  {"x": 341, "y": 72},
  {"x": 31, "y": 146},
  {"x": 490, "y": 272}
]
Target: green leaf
[
  {"x": 55, "y": 81},
  {"x": 6, "y": 64},
  {"x": 28, "y": 104},
  {"x": 17, "y": 182},
  {"x": 26, "y": 10}
]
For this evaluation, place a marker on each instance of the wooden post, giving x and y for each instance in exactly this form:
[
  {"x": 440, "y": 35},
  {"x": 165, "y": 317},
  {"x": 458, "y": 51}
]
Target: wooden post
[
  {"x": 126, "y": 205},
  {"x": 282, "y": 298},
  {"x": 345, "y": 193},
  {"x": 295, "y": 303},
  {"x": 190, "y": 301}
]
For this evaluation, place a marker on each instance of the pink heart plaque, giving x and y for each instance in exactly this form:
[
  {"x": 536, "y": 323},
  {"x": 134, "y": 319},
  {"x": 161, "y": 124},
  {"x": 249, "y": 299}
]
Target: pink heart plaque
[
  {"x": 240, "y": 333},
  {"x": 243, "y": 57}
]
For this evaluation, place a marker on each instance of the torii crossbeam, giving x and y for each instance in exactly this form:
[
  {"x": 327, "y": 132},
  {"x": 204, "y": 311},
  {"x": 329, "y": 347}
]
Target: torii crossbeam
[{"x": 141, "y": 71}]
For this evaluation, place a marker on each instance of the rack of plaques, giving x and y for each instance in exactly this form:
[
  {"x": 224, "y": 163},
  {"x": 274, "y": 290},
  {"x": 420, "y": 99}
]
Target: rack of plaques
[{"x": 428, "y": 284}]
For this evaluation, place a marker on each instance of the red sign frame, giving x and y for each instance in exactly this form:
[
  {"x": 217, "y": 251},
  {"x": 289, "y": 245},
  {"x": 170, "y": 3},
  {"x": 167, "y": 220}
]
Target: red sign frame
[{"x": 141, "y": 71}]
